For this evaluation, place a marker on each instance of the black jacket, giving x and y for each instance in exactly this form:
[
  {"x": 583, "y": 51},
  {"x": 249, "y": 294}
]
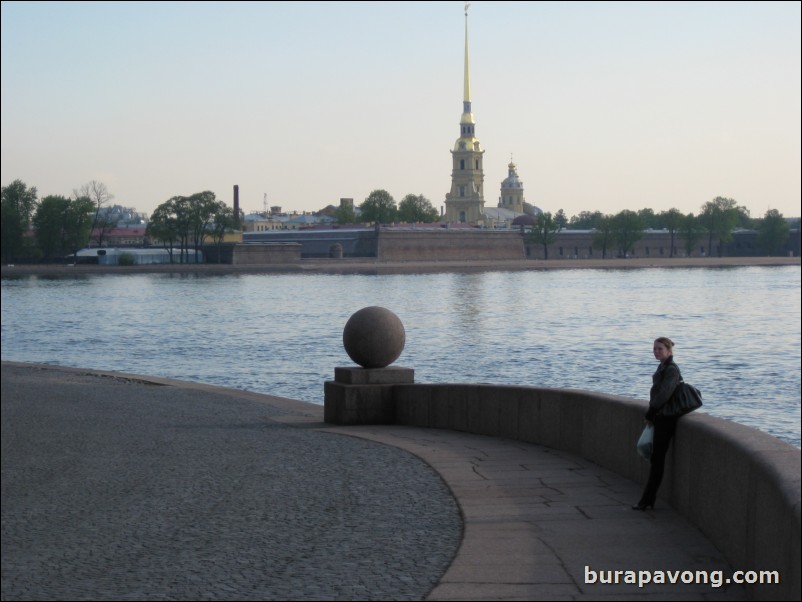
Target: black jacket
[{"x": 664, "y": 382}]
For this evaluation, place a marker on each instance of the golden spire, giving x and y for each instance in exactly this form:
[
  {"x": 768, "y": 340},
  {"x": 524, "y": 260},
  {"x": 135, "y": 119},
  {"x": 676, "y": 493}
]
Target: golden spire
[
  {"x": 467, "y": 93},
  {"x": 467, "y": 116},
  {"x": 467, "y": 126}
]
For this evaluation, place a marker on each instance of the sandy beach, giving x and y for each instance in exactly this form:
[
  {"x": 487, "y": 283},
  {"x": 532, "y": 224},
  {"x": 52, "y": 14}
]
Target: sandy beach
[{"x": 372, "y": 266}]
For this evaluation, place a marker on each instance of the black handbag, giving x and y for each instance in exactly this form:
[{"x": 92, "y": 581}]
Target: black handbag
[{"x": 686, "y": 398}]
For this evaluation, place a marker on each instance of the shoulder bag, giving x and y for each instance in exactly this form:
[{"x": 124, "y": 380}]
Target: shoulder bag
[{"x": 686, "y": 398}]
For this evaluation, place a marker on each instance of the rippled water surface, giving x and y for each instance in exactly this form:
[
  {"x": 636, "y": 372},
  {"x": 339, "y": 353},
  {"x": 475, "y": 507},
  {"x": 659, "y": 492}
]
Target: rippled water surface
[{"x": 737, "y": 330}]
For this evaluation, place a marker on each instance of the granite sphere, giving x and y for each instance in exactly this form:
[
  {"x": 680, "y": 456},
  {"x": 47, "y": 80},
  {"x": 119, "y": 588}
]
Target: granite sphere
[{"x": 374, "y": 337}]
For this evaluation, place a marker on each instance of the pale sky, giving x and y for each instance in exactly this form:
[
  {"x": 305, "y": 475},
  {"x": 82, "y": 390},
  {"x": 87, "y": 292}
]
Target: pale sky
[{"x": 602, "y": 105}]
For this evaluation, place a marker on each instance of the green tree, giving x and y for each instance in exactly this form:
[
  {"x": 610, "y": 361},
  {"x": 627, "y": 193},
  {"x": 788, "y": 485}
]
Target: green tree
[
  {"x": 16, "y": 211},
  {"x": 648, "y": 218},
  {"x": 586, "y": 220},
  {"x": 604, "y": 234},
  {"x": 222, "y": 222},
  {"x": 78, "y": 225},
  {"x": 163, "y": 226},
  {"x": 744, "y": 219},
  {"x": 203, "y": 207},
  {"x": 773, "y": 232},
  {"x": 627, "y": 230},
  {"x": 672, "y": 221},
  {"x": 50, "y": 227},
  {"x": 691, "y": 232},
  {"x": 544, "y": 232},
  {"x": 186, "y": 221},
  {"x": 560, "y": 219},
  {"x": 718, "y": 217},
  {"x": 62, "y": 225},
  {"x": 345, "y": 214},
  {"x": 379, "y": 207},
  {"x": 183, "y": 213},
  {"x": 416, "y": 208}
]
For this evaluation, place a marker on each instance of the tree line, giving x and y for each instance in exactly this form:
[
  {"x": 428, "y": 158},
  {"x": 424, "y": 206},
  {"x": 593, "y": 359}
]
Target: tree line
[
  {"x": 187, "y": 221},
  {"x": 56, "y": 226},
  {"x": 716, "y": 221},
  {"x": 60, "y": 226},
  {"x": 380, "y": 207}
]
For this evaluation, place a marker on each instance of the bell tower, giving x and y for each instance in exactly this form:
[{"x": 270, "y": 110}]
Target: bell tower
[{"x": 465, "y": 202}]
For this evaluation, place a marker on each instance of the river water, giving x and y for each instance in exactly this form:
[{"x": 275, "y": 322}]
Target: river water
[{"x": 737, "y": 330}]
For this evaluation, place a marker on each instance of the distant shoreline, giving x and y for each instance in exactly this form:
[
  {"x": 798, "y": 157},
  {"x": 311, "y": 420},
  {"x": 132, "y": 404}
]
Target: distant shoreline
[{"x": 372, "y": 266}]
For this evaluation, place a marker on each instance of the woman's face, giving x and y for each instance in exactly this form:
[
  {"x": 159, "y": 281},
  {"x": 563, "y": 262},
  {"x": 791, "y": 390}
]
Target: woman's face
[{"x": 661, "y": 352}]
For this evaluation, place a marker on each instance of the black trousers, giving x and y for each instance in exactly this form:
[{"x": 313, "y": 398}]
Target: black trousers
[{"x": 664, "y": 429}]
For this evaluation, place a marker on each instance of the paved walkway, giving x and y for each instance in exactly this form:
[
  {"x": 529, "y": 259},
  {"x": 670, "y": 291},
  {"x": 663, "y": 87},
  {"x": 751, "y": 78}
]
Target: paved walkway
[{"x": 114, "y": 489}]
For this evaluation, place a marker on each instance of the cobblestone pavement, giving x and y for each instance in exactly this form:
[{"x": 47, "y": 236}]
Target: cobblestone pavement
[{"x": 116, "y": 489}]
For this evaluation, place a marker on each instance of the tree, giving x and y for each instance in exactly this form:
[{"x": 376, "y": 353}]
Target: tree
[
  {"x": 773, "y": 231},
  {"x": 163, "y": 226},
  {"x": 223, "y": 220},
  {"x": 672, "y": 221},
  {"x": 627, "y": 230},
  {"x": 62, "y": 225},
  {"x": 203, "y": 207},
  {"x": 49, "y": 225},
  {"x": 78, "y": 225},
  {"x": 560, "y": 219},
  {"x": 603, "y": 238},
  {"x": 99, "y": 195},
  {"x": 416, "y": 208},
  {"x": 586, "y": 220},
  {"x": 186, "y": 220},
  {"x": 718, "y": 217},
  {"x": 544, "y": 232},
  {"x": 17, "y": 209},
  {"x": 182, "y": 212},
  {"x": 379, "y": 207},
  {"x": 345, "y": 214},
  {"x": 648, "y": 218},
  {"x": 743, "y": 218},
  {"x": 691, "y": 231}
]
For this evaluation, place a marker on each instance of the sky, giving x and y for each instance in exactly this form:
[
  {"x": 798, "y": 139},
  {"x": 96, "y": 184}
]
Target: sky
[{"x": 603, "y": 106}]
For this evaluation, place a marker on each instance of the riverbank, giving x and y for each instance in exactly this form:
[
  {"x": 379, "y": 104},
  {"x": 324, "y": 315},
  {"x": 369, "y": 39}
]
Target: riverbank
[{"x": 372, "y": 266}]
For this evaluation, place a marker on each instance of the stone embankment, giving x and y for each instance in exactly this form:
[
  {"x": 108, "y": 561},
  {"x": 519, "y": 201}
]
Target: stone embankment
[{"x": 739, "y": 486}]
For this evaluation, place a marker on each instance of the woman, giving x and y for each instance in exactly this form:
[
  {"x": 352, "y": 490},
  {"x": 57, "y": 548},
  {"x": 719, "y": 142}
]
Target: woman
[{"x": 664, "y": 382}]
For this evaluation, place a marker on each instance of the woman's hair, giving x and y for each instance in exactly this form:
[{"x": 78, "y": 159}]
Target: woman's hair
[{"x": 665, "y": 341}]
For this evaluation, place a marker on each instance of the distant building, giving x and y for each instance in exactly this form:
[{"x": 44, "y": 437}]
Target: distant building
[
  {"x": 466, "y": 202},
  {"x": 153, "y": 255},
  {"x": 260, "y": 222},
  {"x": 512, "y": 191},
  {"x": 122, "y": 237}
]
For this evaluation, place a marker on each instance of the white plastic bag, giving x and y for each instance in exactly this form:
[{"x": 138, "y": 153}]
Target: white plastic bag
[{"x": 646, "y": 442}]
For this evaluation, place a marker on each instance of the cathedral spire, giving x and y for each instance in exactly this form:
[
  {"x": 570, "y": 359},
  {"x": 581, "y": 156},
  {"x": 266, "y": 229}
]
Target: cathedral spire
[
  {"x": 467, "y": 115},
  {"x": 465, "y": 202}
]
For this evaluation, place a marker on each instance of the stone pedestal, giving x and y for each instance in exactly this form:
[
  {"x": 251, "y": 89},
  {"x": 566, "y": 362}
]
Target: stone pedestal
[{"x": 363, "y": 395}]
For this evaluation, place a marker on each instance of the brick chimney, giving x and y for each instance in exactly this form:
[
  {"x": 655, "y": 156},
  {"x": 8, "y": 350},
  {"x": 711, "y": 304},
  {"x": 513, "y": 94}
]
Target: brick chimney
[{"x": 236, "y": 205}]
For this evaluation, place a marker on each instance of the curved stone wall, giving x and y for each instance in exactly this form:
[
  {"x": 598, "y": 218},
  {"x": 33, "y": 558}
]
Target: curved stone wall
[{"x": 739, "y": 486}]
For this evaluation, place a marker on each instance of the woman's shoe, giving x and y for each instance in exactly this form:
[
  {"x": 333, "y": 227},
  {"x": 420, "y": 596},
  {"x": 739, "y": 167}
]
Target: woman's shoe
[{"x": 641, "y": 506}]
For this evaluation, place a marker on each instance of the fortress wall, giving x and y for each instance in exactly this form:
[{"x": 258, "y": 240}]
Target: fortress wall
[
  {"x": 258, "y": 254},
  {"x": 449, "y": 245},
  {"x": 738, "y": 485}
]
